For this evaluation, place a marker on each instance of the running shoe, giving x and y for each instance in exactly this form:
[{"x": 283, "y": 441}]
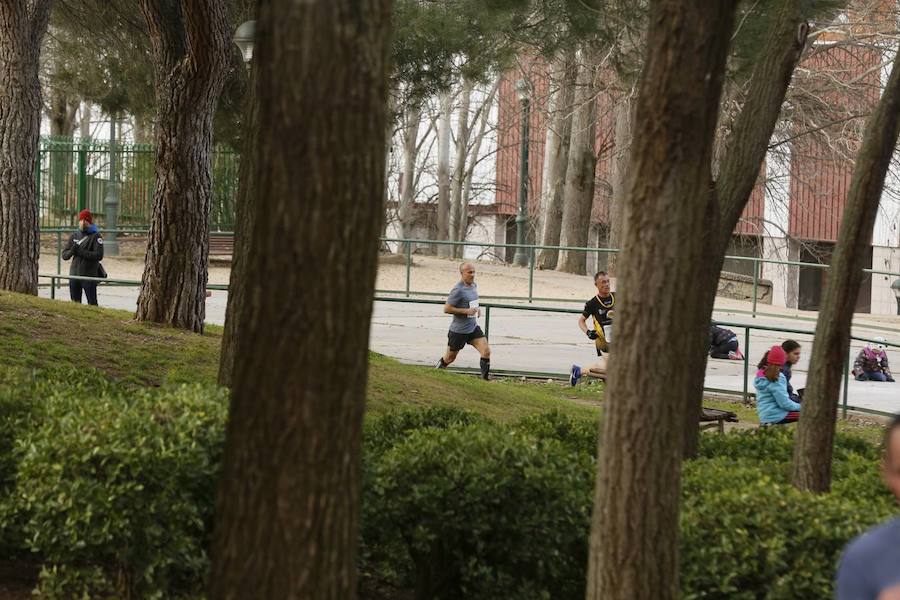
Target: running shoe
[{"x": 574, "y": 375}]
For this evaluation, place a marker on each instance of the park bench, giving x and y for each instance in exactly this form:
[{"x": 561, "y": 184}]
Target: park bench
[
  {"x": 713, "y": 417},
  {"x": 220, "y": 245}
]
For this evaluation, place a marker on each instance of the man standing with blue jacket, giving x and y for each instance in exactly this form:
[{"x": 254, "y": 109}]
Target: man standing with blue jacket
[{"x": 85, "y": 250}]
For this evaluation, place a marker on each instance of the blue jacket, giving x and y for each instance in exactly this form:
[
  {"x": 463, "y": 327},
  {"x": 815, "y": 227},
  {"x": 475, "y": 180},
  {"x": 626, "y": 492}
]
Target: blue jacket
[{"x": 772, "y": 400}]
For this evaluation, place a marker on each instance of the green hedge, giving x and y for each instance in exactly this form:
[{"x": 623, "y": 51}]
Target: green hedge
[{"x": 115, "y": 492}]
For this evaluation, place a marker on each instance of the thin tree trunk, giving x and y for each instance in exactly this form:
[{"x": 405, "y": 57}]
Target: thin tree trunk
[
  {"x": 61, "y": 114},
  {"x": 814, "y": 447},
  {"x": 405, "y": 211},
  {"x": 245, "y": 219},
  {"x": 578, "y": 197},
  {"x": 459, "y": 215},
  {"x": 443, "y": 173},
  {"x": 22, "y": 26},
  {"x": 634, "y": 538},
  {"x": 624, "y": 123},
  {"x": 559, "y": 133},
  {"x": 84, "y": 123},
  {"x": 288, "y": 505},
  {"x": 190, "y": 54}
]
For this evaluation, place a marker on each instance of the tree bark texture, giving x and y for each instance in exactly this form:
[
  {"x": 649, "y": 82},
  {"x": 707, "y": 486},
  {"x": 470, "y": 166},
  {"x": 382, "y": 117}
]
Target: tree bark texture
[
  {"x": 578, "y": 195},
  {"x": 623, "y": 123},
  {"x": 190, "y": 41},
  {"x": 443, "y": 173},
  {"x": 738, "y": 170},
  {"x": 22, "y": 26},
  {"x": 814, "y": 446},
  {"x": 245, "y": 217},
  {"x": 459, "y": 214},
  {"x": 287, "y": 512},
  {"x": 405, "y": 211},
  {"x": 634, "y": 538},
  {"x": 559, "y": 132}
]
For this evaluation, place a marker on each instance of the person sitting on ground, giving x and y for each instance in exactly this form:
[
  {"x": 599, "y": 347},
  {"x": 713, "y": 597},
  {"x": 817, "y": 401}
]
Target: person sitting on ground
[
  {"x": 872, "y": 363},
  {"x": 792, "y": 351},
  {"x": 773, "y": 405},
  {"x": 723, "y": 343}
]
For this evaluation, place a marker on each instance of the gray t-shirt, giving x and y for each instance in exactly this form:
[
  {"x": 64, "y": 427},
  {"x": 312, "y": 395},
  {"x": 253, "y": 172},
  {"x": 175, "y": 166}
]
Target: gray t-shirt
[
  {"x": 871, "y": 564},
  {"x": 463, "y": 296}
]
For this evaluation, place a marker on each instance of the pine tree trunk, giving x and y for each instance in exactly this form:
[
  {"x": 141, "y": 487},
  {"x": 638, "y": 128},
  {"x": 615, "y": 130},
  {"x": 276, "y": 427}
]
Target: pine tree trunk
[
  {"x": 22, "y": 26},
  {"x": 190, "y": 56},
  {"x": 288, "y": 505},
  {"x": 459, "y": 214},
  {"x": 559, "y": 132},
  {"x": 578, "y": 197},
  {"x": 814, "y": 447},
  {"x": 443, "y": 173},
  {"x": 245, "y": 218},
  {"x": 634, "y": 538}
]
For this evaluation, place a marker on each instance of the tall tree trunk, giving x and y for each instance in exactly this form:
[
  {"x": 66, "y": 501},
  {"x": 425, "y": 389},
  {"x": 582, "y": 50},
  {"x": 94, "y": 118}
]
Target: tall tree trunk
[
  {"x": 578, "y": 197},
  {"x": 814, "y": 447},
  {"x": 143, "y": 130},
  {"x": 459, "y": 214},
  {"x": 556, "y": 159},
  {"x": 738, "y": 171},
  {"x": 406, "y": 210},
  {"x": 189, "y": 42},
  {"x": 443, "y": 173},
  {"x": 624, "y": 122},
  {"x": 288, "y": 505},
  {"x": 634, "y": 537},
  {"x": 245, "y": 218},
  {"x": 22, "y": 26},
  {"x": 61, "y": 113}
]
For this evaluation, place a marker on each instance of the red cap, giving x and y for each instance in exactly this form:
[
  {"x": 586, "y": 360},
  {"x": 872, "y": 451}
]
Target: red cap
[
  {"x": 86, "y": 215},
  {"x": 777, "y": 356}
]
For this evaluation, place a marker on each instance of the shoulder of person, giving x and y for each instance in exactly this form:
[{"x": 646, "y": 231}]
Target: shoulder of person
[{"x": 874, "y": 542}]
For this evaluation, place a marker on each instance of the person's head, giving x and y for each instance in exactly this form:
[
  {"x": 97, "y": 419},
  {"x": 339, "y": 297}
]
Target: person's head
[
  {"x": 601, "y": 280},
  {"x": 891, "y": 464},
  {"x": 792, "y": 350},
  {"x": 880, "y": 344},
  {"x": 775, "y": 359},
  {"x": 467, "y": 273},
  {"x": 85, "y": 219}
]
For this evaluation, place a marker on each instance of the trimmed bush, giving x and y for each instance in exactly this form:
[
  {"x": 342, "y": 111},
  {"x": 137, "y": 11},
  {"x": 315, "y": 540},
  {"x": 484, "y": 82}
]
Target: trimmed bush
[
  {"x": 479, "y": 512},
  {"x": 575, "y": 434},
  {"x": 117, "y": 492}
]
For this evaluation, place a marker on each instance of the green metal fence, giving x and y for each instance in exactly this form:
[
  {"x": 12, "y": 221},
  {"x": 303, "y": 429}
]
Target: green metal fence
[{"x": 71, "y": 175}]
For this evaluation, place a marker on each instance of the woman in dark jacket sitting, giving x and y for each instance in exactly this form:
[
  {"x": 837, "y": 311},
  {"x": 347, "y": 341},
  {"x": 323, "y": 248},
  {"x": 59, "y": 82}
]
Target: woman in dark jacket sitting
[{"x": 85, "y": 250}]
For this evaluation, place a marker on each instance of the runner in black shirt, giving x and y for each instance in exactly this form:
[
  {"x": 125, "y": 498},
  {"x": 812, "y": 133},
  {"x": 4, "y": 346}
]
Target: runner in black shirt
[{"x": 600, "y": 309}]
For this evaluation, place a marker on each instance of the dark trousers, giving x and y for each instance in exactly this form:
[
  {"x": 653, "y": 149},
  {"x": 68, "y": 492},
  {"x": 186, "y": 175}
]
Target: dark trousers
[
  {"x": 90, "y": 290},
  {"x": 722, "y": 350}
]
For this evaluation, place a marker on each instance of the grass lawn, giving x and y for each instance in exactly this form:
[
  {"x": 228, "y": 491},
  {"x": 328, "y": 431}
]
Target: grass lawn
[{"x": 37, "y": 332}]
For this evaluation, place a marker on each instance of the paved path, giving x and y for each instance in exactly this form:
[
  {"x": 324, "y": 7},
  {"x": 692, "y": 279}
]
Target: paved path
[{"x": 551, "y": 342}]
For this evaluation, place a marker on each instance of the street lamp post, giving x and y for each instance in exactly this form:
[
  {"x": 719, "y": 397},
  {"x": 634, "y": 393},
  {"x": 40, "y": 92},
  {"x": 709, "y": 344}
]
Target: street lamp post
[
  {"x": 895, "y": 287},
  {"x": 521, "y": 256},
  {"x": 244, "y": 37},
  {"x": 111, "y": 202}
]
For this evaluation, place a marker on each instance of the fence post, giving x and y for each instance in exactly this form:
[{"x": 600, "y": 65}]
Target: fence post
[
  {"x": 746, "y": 395},
  {"x": 82, "y": 176},
  {"x": 487, "y": 321},
  {"x": 408, "y": 265},
  {"x": 755, "y": 284},
  {"x": 531, "y": 275},
  {"x": 53, "y": 288},
  {"x": 846, "y": 386},
  {"x": 58, "y": 257}
]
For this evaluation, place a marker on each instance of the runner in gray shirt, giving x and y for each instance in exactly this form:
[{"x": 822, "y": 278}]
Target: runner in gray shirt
[{"x": 462, "y": 303}]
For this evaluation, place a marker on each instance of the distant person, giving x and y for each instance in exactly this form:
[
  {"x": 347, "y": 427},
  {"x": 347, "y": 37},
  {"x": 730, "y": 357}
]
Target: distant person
[
  {"x": 600, "y": 309},
  {"x": 723, "y": 343},
  {"x": 792, "y": 352},
  {"x": 773, "y": 405},
  {"x": 872, "y": 363},
  {"x": 462, "y": 303},
  {"x": 85, "y": 250},
  {"x": 870, "y": 566}
]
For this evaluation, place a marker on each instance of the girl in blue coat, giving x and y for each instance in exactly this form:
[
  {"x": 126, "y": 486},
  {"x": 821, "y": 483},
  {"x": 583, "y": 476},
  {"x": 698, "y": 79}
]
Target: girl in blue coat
[{"x": 773, "y": 404}]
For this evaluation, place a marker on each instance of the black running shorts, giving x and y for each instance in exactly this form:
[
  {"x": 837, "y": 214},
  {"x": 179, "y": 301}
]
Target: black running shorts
[{"x": 457, "y": 341}]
